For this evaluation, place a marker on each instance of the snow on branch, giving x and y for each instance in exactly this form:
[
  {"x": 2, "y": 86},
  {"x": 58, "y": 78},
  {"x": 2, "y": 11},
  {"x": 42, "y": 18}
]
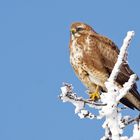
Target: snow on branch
[
  {"x": 108, "y": 105},
  {"x": 68, "y": 95},
  {"x": 122, "y": 56},
  {"x": 136, "y": 132}
]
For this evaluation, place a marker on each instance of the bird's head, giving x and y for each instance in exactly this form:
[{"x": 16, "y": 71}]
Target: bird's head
[{"x": 79, "y": 28}]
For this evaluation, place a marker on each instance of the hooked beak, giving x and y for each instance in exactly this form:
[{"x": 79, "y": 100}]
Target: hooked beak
[{"x": 73, "y": 31}]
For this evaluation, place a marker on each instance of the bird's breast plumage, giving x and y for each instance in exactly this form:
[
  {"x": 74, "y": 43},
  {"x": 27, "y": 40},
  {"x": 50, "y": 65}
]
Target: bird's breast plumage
[
  {"x": 76, "y": 54},
  {"x": 84, "y": 66}
]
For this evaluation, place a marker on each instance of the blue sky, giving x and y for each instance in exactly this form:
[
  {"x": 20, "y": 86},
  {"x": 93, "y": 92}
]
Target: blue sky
[{"x": 34, "y": 61}]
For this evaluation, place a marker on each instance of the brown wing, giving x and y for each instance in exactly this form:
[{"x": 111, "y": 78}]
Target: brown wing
[{"x": 109, "y": 52}]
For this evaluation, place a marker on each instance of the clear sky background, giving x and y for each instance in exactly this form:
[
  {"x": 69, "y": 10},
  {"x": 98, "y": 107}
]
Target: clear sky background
[{"x": 34, "y": 61}]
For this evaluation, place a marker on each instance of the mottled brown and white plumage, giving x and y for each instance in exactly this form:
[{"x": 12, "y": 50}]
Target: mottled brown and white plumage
[{"x": 93, "y": 57}]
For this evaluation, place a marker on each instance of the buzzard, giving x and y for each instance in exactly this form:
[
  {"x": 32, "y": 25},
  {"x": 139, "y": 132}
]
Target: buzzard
[{"x": 93, "y": 57}]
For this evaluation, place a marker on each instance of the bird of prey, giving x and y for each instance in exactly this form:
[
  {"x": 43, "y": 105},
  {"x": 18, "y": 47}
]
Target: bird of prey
[{"x": 93, "y": 57}]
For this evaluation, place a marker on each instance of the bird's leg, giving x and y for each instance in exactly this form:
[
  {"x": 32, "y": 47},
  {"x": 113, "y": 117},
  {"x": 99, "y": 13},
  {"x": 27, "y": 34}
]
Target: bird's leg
[{"x": 95, "y": 95}]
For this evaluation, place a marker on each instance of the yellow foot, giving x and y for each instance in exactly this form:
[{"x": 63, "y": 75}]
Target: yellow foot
[{"x": 94, "y": 95}]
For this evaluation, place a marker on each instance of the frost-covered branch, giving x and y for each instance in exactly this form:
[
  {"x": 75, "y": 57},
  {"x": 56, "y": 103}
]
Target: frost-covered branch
[
  {"x": 115, "y": 93},
  {"x": 122, "y": 55},
  {"x": 68, "y": 95},
  {"x": 136, "y": 132},
  {"x": 108, "y": 103},
  {"x": 127, "y": 86}
]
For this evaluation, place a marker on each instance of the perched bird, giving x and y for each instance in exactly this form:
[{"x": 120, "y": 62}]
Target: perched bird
[{"x": 93, "y": 57}]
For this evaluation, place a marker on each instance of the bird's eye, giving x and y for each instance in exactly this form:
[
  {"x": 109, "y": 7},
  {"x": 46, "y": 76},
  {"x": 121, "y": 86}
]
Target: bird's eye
[{"x": 79, "y": 29}]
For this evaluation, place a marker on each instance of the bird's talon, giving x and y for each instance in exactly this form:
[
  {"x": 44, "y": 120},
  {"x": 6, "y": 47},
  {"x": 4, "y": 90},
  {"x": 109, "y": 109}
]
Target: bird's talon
[{"x": 94, "y": 96}]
